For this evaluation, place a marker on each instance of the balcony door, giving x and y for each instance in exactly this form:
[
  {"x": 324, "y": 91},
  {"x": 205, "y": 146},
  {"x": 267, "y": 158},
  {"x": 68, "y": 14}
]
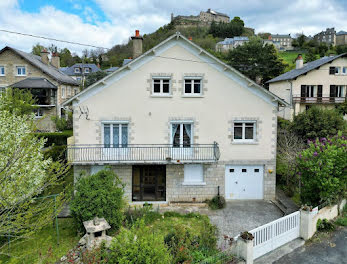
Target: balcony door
[
  {"x": 181, "y": 140},
  {"x": 115, "y": 141},
  {"x": 149, "y": 183}
]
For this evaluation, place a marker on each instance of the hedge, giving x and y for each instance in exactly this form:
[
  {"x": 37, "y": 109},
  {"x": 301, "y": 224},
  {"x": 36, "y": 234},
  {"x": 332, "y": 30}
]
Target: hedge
[{"x": 56, "y": 138}]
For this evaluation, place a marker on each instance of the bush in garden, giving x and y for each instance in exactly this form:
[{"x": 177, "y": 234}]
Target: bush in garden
[
  {"x": 317, "y": 122},
  {"x": 322, "y": 170},
  {"x": 138, "y": 245},
  {"x": 99, "y": 195},
  {"x": 217, "y": 202},
  {"x": 146, "y": 213},
  {"x": 325, "y": 225}
]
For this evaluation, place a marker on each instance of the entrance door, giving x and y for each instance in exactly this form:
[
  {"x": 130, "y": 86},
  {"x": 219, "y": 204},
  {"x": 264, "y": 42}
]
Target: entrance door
[
  {"x": 149, "y": 183},
  {"x": 244, "y": 182}
]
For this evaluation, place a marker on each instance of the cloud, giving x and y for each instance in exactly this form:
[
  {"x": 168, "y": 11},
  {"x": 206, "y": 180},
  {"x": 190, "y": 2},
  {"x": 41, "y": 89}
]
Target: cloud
[{"x": 124, "y": 16}]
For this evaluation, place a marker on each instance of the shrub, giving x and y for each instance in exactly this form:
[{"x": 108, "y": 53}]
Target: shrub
[
  {"x": 317, "y": 122},
  {"x": 145, "y": 213},
  {"x": 99, "y": 195},
  {"x": 56, "y": 138},
  {"x": 322, "y": 170},
  {"x": 325, "y": 225},
  {"x": 63, "y": 123},
  {"x": 217, "y": 202},
  {"x": 138, "y": 245},
  {"x": 56, "y": 153}
]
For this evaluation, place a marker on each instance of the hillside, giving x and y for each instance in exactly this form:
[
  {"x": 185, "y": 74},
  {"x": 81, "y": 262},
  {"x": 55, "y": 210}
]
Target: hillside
[{"x": 289, "y": 58}]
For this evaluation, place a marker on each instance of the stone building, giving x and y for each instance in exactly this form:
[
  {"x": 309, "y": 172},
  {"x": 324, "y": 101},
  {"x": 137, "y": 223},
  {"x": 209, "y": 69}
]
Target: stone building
[
  {"x": 285, "y": 41},
  {"x": 328, "y": 36},
  {"x": 341, "y": 38},
  {"x": 176, "y": 130},
  {"x": 230, "y": 43},
  {"x": 50, "y": 86},
  {"x": 204, "y": 18}
]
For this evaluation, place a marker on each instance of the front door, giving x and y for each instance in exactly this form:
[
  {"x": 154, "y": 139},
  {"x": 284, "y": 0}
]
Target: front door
[{"x": 149, "y": 183}]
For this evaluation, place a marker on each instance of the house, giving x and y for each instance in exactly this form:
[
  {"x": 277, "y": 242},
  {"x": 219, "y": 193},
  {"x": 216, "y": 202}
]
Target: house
[
  {"x": 111, "y": 69},
  {"x": 328, "y": 36},
  {"x": 341, "y": 38},
  {"x": 270, "y": 41},
  {"x": 322, "y": 82},
  {"x": 284, "y": 40},
  {"x": 49, "y": 86},
  {"x": 230, "y": 43},
  {"x": 80, "y": 71},
  {"x": 177, "y": 124}
]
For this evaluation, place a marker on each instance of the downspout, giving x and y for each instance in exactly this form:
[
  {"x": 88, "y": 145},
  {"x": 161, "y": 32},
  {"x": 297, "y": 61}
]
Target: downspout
[{"x": 291, "y": 95}]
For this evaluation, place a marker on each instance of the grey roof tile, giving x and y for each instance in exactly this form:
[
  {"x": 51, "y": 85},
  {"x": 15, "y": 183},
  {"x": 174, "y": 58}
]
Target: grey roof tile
[
  {"x": 71, "y": 70},
  {"x": 34, "y": 82},
  {"x": 307, "y": 67}
]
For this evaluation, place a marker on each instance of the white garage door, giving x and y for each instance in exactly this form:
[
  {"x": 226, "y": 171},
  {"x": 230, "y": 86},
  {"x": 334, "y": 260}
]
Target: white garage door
[{"x": 244, "y": 182}]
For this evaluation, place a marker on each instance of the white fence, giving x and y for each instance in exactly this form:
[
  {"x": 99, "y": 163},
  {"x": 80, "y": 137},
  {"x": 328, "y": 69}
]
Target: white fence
[{"x": 275, "y": 234}]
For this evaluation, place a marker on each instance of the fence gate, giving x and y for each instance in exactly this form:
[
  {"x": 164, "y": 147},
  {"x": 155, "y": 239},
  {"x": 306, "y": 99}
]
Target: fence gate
[{"x": 275, "y": 234}]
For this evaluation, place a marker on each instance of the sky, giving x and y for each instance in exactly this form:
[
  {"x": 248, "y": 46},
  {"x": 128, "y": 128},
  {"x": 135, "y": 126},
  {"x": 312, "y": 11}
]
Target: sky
[{"x": 106, "y": 23}]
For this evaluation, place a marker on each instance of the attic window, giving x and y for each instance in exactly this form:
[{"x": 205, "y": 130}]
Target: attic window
[
  {"x": 77, "y": 70},
  {"x": 192, "y": 86},
  {"x": 161, "y": 86},
  {"x": 86, "y": 70}
]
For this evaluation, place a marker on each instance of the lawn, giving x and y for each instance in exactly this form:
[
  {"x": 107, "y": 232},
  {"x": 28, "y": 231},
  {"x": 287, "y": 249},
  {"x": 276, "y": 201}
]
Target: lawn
[
  {"x": 42, "y": 247},
  {"x": 289, "y": 58}
]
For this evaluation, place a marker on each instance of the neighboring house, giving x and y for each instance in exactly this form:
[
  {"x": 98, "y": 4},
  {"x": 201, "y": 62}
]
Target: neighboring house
[
  {"x": 328, "y": 36},
  {"x": 180, "y": 129},
  {"x": 276, "y": 44},
  {"x": 80, "y": 71},
  {"x": 285, "y": 41},
  {"x": 341, "y": 38},
  {"x": 49, "y": 86},
  {"x": 230, "y": 43},
  {"x": 321, "y": 82}
]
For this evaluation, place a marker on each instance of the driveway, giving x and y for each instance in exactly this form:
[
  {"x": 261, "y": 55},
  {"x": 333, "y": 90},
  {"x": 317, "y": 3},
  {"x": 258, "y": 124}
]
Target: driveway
[
  {"x": 237, "y": 216},
  {"x": 331, "y": 250}
]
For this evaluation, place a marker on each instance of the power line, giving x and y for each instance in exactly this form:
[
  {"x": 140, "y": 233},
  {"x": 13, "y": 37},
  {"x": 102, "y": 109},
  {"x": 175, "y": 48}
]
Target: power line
[{"x": 47, "y": 38}]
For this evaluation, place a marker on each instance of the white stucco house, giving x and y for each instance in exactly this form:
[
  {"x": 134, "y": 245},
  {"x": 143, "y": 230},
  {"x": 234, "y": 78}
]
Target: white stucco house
[
  {"x": 177, "y": 124},
  {"x": 321, "y": 83}
]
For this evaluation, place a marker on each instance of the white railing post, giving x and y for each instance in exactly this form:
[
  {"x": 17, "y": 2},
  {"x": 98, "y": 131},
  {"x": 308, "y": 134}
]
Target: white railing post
[
  {"x": 307, "y": 226},
  {"x": 245, "y": 250}
]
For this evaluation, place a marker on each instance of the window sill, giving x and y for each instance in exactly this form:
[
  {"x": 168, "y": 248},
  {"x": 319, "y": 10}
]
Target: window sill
[
  {"x": 194, "y": 183},
  {"x": 20, "y": 75},
  {"x": 161, "y": 96},
  {"x": 192, "y": 96},
  {"x": 244, "y": 142}
]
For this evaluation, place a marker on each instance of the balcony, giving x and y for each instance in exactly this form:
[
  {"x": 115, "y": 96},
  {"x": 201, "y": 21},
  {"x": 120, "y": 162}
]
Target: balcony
[
  {"x": 318, "y": 100},
  {"x": 144, "y": 153}
]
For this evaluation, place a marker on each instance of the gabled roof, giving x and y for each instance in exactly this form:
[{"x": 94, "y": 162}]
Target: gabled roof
[
  {"x": 48, "y": 69},
  {"x": 341, "y": 33},
  {"x": 307, "y": 67},
  {"x": 71, "y": 70},
  {"x": 34, "y": 82},
  {"x": 153, "y": 52},
  {"x": 229, "y": 41}
]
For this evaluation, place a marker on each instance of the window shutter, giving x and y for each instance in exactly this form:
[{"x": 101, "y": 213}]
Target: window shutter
[
  {"x": 320, "y": 91},
  {"x": 331, "y": 70},
  {"x": 332, "y": 90},
  {"x": 303, "y": 91}
]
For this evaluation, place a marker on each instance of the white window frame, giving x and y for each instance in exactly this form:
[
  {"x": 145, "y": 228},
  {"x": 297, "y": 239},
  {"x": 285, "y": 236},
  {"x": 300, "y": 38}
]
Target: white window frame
[
  {"x": 161, "y": 93},
  {"x": 179, "y": 122},
  {"x": 63, "y": 92},
  {"x": 77, "y": 70},
  {"x": 308, "y": 89},
  {"x": 337, "y": 70},
  {"x": 86, "y": 70},
  {"x": 194, "y": 174},
  {"x": 192, "y": 94},
  {"x": 340, "y": 91},
  {"x": 75, "y": 91},
  {"x": 38, "y": 113},
  {"x": 344, "y": 70},
  {"x": 115, "y": 123},
  {"x": 2, "y": 69},
  {"x": 243, "y": 139},
  {"x": 21, "y": 74}
]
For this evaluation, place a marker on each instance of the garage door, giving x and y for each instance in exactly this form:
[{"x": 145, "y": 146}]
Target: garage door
[{"x": 244, "y": 182}]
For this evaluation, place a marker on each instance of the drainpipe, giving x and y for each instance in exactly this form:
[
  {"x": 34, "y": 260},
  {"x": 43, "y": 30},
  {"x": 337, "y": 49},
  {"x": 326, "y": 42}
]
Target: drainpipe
[{"x": 291, "y": 95}]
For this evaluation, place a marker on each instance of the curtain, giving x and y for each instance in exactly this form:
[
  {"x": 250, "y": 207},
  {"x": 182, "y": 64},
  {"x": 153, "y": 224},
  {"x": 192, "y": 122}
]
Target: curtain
[
  {"x": 188, "y": 129},
  {"x": 174, "y": 130},
  {"x": 115, "y": 136},
  {"x": 124, "y": 136},
  {"x": 107, "y": 136}
]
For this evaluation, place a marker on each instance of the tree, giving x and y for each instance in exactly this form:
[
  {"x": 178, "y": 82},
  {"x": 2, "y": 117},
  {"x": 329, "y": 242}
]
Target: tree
[
  {"x": 227, "y": 30},
  {"x": 310, "y": 55},
  {"x": 94, "y": 77},
  {"x": 256, "y": 60},
  {"x": 24, "y": 175},
  {"x": 264, "y": 35},
  {"x": 36, "y": 50},
  {"x": 17, "y": 101},
  {"x": 301, "y": 40},
  {"x": 317, "y": 122},
  {"x": 322, "y": 169}
]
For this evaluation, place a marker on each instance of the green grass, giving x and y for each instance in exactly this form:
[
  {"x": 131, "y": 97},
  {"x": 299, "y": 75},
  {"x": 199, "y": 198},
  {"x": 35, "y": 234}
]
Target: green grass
[
  {"x": 342, "y": 220},
  {"x": 289, "y": 58},
  {"x": 42, "y": 247}
]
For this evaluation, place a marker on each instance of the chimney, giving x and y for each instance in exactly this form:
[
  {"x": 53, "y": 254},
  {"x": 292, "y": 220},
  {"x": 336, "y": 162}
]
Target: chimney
[
  {"x": 190, "y": 38},
  {"x": 55, "y": 60},
  {"x": 299, "y": 62},
  {"x": 137, "y": 44},
  {"x": 44, "y": 56},
  {"x": 270, "y": 37}
]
